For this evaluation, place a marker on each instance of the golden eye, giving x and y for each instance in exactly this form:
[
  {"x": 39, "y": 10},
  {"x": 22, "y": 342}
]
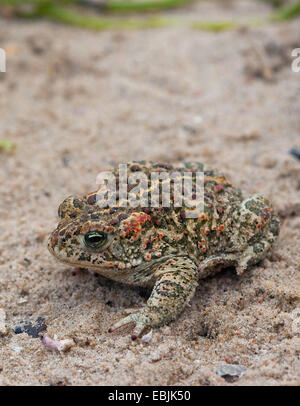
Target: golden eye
[{"x": 95, "y": 239}]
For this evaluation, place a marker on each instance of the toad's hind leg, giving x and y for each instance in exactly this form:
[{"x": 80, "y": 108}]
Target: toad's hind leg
[
  {"x": 175, "y": 286},
  {"x": 255, "y": 253},
  {"x": 259, "y": 228},
  {"x": 255, "y": 250}
]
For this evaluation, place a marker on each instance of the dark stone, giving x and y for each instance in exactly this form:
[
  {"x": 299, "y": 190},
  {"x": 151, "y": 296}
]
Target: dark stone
[
  {"x": 32, "y": 330},
  {"x": 18, "y": 330},
  {"x": 231, "y": 373},
  {"x": 295, "y": 152}
]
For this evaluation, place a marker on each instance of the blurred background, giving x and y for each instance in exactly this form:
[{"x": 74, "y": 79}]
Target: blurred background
[{"x": 91, "y": 84}]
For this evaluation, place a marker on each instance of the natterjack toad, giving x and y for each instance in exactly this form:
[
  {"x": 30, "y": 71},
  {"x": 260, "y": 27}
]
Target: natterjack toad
[{"x": 163, "y": 247}]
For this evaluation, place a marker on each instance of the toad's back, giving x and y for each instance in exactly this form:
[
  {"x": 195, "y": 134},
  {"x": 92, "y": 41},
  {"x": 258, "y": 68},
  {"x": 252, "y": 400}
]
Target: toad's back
[{"x": 200, "y": 231}]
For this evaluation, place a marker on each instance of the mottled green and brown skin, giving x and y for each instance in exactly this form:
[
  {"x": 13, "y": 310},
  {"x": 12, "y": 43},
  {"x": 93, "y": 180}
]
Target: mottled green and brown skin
[{"x": 161, "y": 247}]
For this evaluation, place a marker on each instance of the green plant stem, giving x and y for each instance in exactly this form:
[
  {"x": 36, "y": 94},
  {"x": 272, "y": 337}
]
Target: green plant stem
[
  {"x": 7, "y": 146},
  {"x": 122, "y": 6},
  {"x": 286, "y": 12},
  {"x": 66, "y": 15},
  {"x": 110, "y": 6},
  {"x": 214, "y": 26}
]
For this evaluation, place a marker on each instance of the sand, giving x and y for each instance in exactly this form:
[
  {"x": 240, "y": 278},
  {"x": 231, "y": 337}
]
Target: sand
[{"x": 77, "y": 102}]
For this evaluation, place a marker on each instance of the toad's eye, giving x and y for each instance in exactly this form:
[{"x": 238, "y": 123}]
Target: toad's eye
[{"x": 95, "y": 239}]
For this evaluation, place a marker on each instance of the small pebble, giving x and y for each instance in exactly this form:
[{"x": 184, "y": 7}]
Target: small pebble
[
  {"x": 147, "y": 337},
  {"x": 197, "y": 119},
  {"x": 17, "y": 349},
  {"x": 295, "y": 152},
  {"x": 32, "y": 330},
  {"x": 155, "y": 356},
  {"x": 59, "y": 345},
  {"x": 3, "y": 329},
  {"x": 231, "y": 372},
  {"x": 18, "y": 330}
]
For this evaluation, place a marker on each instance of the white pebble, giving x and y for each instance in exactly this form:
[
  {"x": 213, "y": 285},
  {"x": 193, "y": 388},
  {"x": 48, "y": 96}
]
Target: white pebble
[
  {"x": 59, "y": 345},
  {"x": 3, "y": 329},
  {"x": 147, "y": 337}
]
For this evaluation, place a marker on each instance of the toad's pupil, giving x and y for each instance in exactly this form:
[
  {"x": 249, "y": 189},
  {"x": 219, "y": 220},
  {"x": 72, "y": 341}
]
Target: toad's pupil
[{"x": 94, "y": 238}]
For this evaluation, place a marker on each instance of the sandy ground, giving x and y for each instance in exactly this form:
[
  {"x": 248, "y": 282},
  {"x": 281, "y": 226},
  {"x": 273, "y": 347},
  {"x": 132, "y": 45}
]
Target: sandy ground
[{"x": 77, "y": 102}]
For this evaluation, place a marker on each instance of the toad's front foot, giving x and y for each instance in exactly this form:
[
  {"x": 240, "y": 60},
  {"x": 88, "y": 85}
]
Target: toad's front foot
[
  {"x": 140, "y": 321},
  {"x": 175, "y": 286}
]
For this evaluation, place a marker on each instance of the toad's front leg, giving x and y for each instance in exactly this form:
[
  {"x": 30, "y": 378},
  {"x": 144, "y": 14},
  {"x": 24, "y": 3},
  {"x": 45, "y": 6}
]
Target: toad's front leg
[{"x": 175, "y": 286}]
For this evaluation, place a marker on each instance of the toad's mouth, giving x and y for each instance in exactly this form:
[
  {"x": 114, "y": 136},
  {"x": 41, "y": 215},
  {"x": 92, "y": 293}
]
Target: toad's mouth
[{"x": 108, "y": 267}]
